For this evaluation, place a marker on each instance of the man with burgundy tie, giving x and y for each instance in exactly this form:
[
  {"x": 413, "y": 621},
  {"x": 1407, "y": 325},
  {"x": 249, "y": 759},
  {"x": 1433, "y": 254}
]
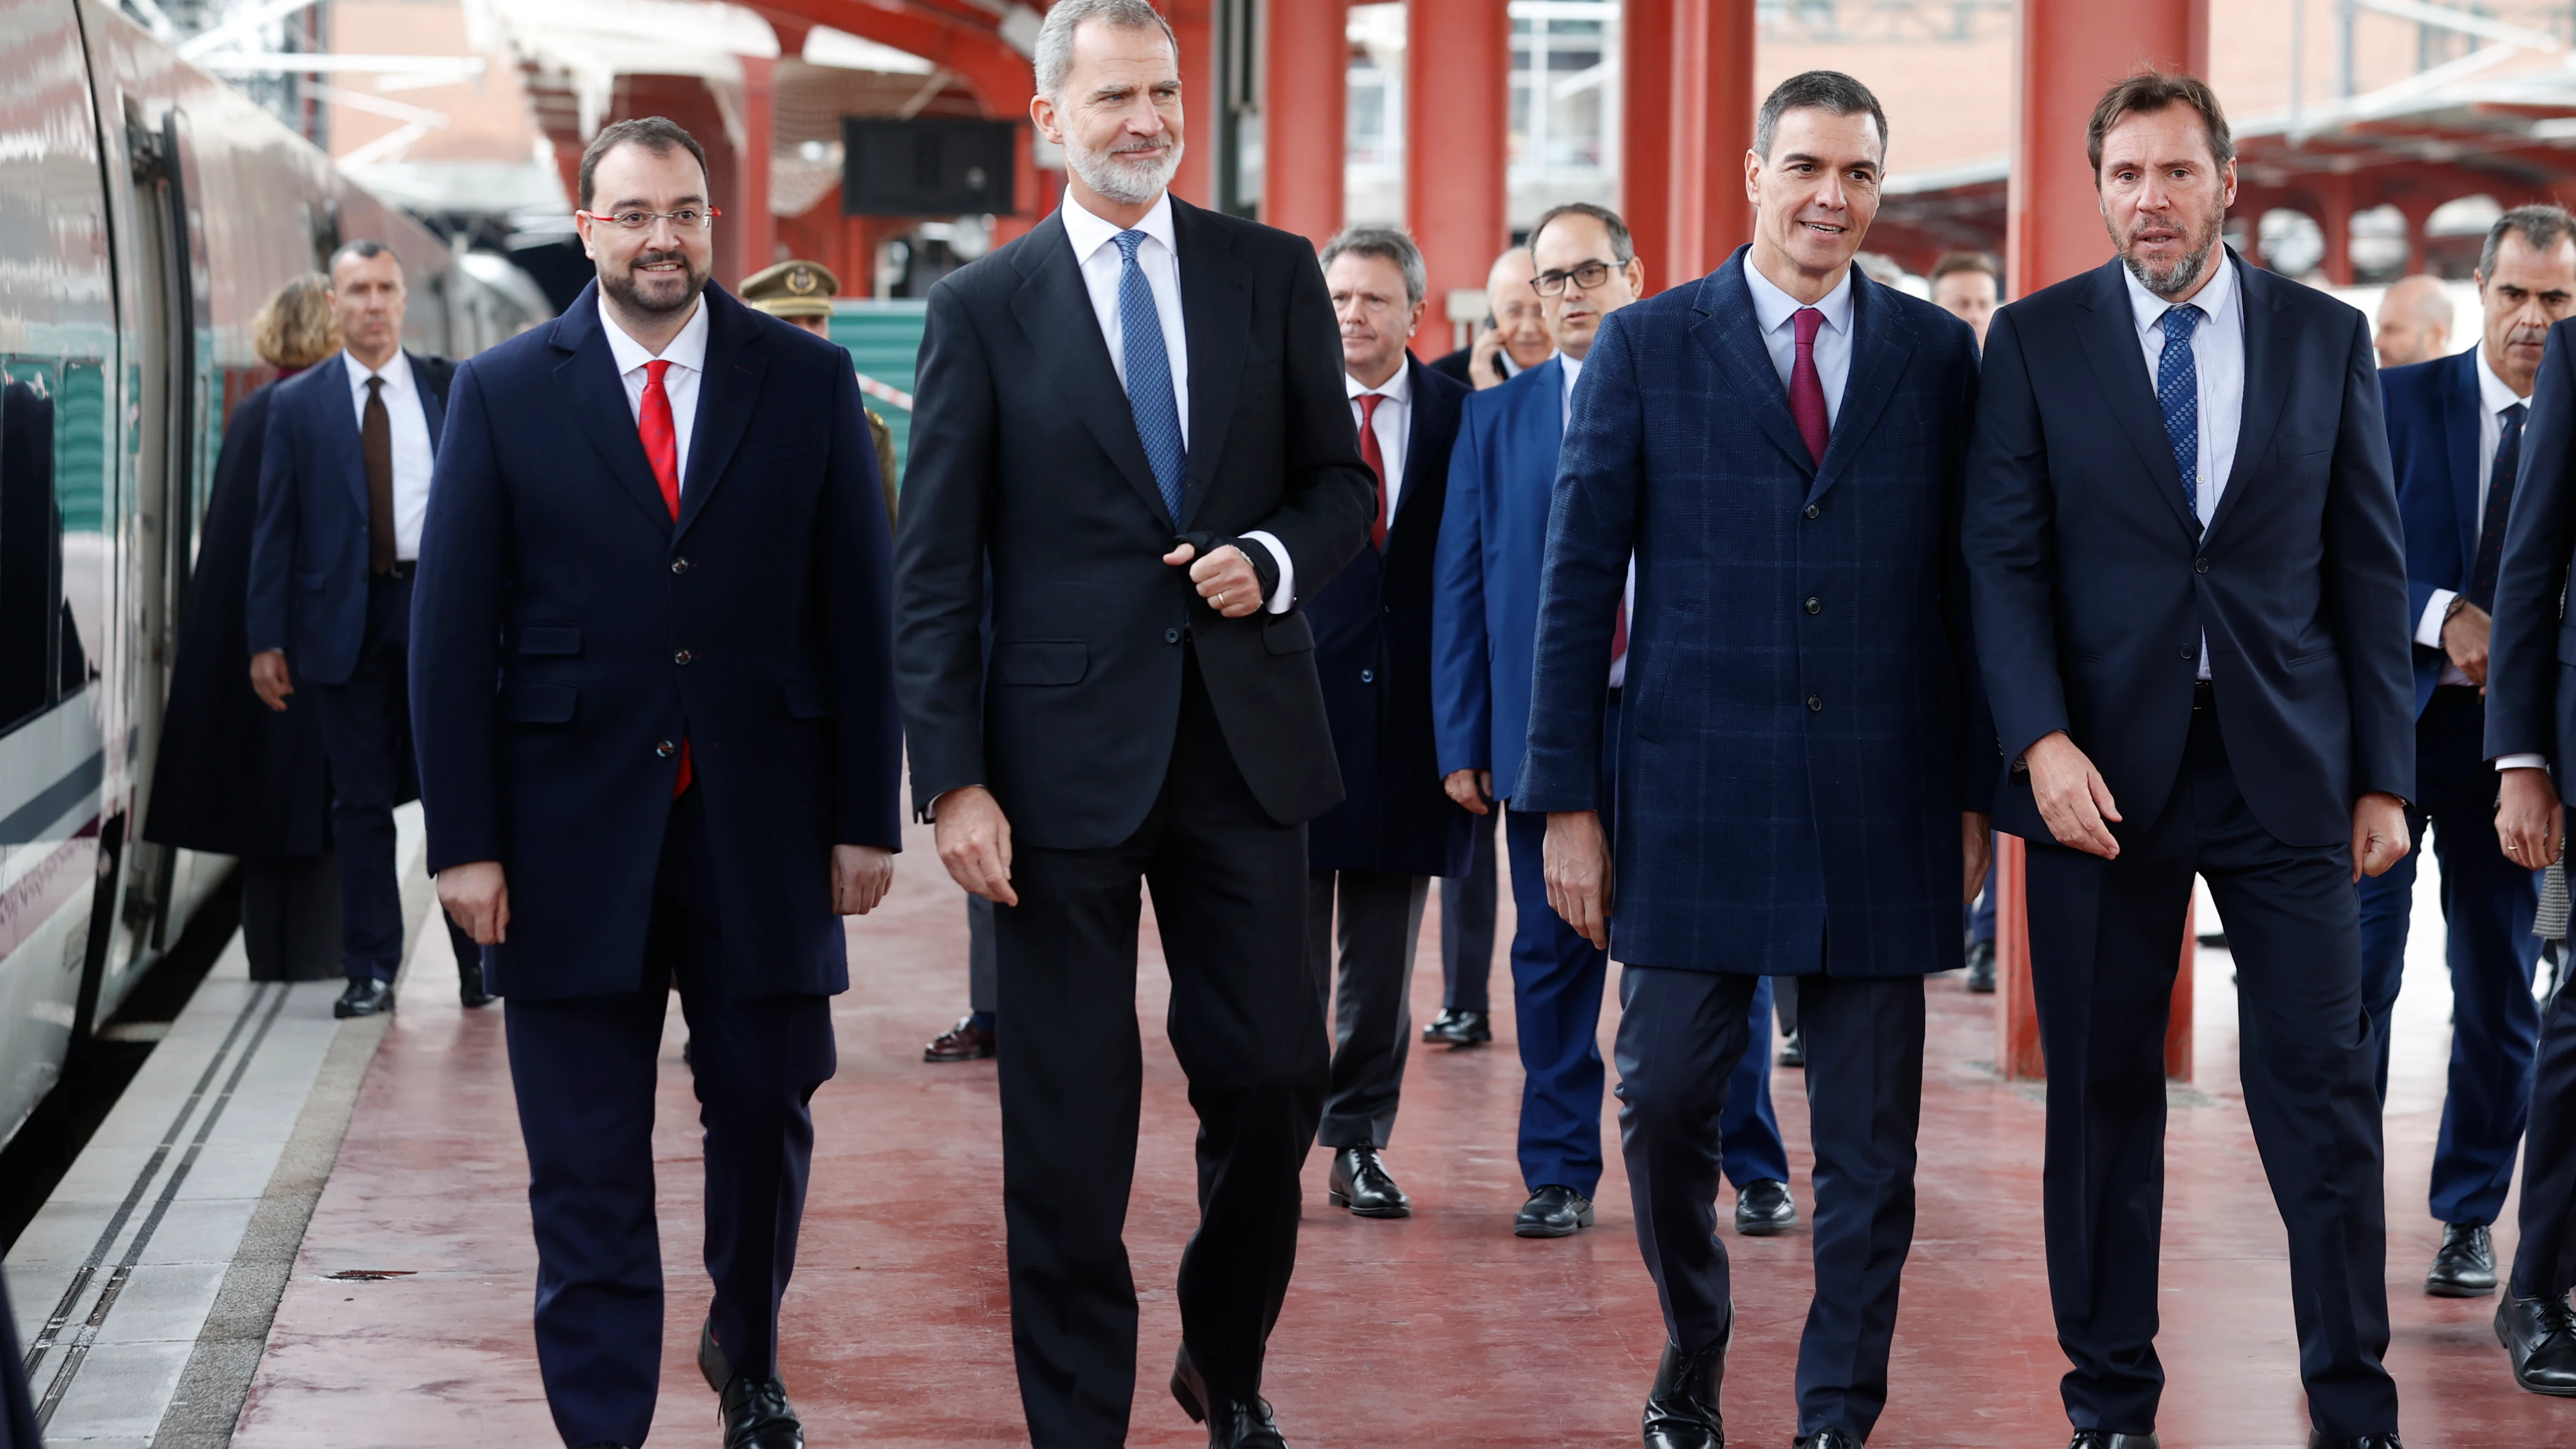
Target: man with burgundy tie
[
  {"x": 653, "y": 683},
  {"x": 2455, "y": 435},
  {"x": 344, "y": 481},
  {"x": 1805, "y": 764}
]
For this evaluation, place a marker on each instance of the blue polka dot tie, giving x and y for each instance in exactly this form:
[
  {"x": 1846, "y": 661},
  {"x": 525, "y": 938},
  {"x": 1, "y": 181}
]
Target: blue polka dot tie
[
  {"x": 1149, "y": 375},
  {"x": 2178, "y": 393}
]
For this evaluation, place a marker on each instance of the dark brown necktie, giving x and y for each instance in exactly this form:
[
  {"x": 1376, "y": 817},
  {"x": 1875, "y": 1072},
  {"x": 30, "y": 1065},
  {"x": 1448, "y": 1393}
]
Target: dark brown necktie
[{"x": 376, "y": 444}]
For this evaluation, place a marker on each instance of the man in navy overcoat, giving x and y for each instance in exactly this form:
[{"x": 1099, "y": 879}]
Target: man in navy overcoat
[
  {"x": 1805, "y": 763},
  {"x": 652, "y": 676}
]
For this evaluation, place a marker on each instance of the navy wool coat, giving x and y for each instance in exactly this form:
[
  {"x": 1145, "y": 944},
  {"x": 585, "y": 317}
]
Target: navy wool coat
[
  {"x": 1803, "y": 725},
  {"x": 2433, "y": 416},
  {"x": 1373, "y": 653},
  {"x": 2531, "y": 662}
]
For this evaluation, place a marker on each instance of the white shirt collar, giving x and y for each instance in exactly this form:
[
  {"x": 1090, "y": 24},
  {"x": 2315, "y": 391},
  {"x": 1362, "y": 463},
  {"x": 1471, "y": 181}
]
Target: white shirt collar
[
  {"x": 2493, "y": 392},
  {"x": 1773, "y": 307},
  {"x": 397, "y": 373},
  {"x": 1398, "y": 388},
  {"x": 1088, "y": 233},
  {"x": 2216, "y": 301},
  {"x": 688, "y": 350}
]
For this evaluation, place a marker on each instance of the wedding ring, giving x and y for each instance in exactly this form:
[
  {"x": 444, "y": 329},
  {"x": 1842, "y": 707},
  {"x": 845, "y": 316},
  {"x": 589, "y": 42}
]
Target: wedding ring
[{"x": 1220, "y": 598}]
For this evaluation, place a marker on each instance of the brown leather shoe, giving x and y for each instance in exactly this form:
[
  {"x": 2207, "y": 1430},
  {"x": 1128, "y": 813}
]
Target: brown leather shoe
[{"x": 963, "y": 1042}]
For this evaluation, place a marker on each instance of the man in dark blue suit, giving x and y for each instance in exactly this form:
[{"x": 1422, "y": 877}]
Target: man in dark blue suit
[
  {"x": 2454, "y": 435},
  {"x": 1372, "y": 857},
  {"x": 1805, "y": 764},
  {"x": 2191, "y": 609},
  {"x": 653, "y": 685},
  {"x": 1492, "y": 541},
  {"x": 344, "y": 481}
]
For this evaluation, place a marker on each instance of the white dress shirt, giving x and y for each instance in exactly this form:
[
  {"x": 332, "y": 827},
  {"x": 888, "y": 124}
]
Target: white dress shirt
[
  {"x": 2494, "y": 396},
  {"x": 2218, "y": 364},
  {"x": 413, "y": 461},
  {"x": 1095, "y": 250},
  {"x": 1775, "y": 311},
  {"x": 1393, "y": 424},
  {"x": 687, "y": 354},
  {"x": 1628, "y": 597}
]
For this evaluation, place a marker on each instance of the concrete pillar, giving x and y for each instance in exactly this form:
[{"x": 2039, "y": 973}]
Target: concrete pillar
[
  {"x": 1646, "y": 133},
  {"x": 1457, "y": 120},
  {"x": 757, "y": 230},
  {"x": 2070, "y": 52},
  {"x": 1305, "y": 115},
  {"x": 1712, "y": 117}
]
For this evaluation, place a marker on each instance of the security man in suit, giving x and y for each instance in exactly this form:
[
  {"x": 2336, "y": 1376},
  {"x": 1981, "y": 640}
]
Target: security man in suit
[
  {"x": 2190, "y": 590},
  {"x": 344, "y": 483},
  {"x": 1132, "y": 443},
  {"x": 2455, "y": 430}
]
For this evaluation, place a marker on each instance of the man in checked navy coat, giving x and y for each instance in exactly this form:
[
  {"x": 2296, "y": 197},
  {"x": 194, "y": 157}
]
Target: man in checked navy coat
[{"x": 1805, "y": 761}]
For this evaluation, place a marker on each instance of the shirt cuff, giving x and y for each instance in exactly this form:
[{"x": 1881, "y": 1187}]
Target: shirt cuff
[
  {"x": 2428, "y": 630},
  {"x": 1283, "y": 597},
  {"x": 2521, "y": 762}
]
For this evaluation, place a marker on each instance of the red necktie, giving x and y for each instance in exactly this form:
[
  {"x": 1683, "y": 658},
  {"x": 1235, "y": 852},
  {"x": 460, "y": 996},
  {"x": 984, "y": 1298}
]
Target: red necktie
[
  {"x": 1806, "y": 390},
  {"x": 1619, "y": 632},
  {"x": 662, "y": 449},
  {"x": 1372, "y": 455}
]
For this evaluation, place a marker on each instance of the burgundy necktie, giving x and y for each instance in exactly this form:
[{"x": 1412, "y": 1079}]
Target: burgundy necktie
[
  {"x": 1375, "y": 457},
  {"x": 1806, "y": 390},
  {"x": 662, "y": 449}
]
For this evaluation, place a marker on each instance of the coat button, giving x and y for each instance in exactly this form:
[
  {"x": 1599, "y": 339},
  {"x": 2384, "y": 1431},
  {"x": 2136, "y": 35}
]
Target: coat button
[
  {"x": 1171, "y": 636},
  {"x": 666, "y": 749},
  {"x": 682, "y": 657},
  {"x": 2189, "y": 652},
  {"x": 679, "y": 565},
  {"x": 1368, "y": 676},
  {"x": 1815, "y": 705},
  {"x": 1815, "y": 606},
  {"x": 1815, "y": 510},
  {"x": 2200, "y": 565}
]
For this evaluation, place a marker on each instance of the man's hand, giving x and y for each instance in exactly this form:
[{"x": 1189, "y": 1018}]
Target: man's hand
[
  {"x": 477, "y": 899},
  {"x": 2379, "y": 838},
  {"x": 861, "y": 875},
  {"x": 1578, "y": 873},
  {"x": 1225, "y": 579},
  {"x": 1978, "y": 846},
  {"x": 2464, "y": 638},
  {"x": 2071, "y": 796},
  {"x": 1483, "y": 371},
  {"x": 975, "y": 842},
  {"x": 2530, "y": 823},
  {"x": 1471, "y": 789},
  {"x": 268, "y": 678}
]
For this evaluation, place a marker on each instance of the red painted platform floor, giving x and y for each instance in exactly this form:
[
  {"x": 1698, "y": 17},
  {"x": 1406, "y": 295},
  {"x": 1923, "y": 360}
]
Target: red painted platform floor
[{"x": 1439, "y": 1330}]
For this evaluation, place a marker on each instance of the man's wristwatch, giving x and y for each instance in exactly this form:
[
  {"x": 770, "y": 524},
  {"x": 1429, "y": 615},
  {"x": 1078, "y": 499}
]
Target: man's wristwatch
[{"x": 2458, "y": 602}]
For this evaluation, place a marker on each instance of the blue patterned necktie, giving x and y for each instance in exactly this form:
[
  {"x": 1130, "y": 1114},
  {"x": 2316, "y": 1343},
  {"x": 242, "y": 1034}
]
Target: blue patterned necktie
[
  {"x": 2178, "y": 393},
  {"x": 1149, "y": 374}
]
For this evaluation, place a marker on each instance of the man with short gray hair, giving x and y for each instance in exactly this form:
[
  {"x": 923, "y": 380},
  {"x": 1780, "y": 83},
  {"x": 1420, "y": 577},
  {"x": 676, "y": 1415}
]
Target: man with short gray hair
[{"x": 2414, "y": 322}]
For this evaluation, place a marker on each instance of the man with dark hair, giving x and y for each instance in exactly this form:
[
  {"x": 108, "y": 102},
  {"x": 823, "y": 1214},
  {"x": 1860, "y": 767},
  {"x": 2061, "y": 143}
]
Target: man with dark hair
[
  {"x": 658, "y": 531},
  {"x": 1806, "y": 766},
  {"x": 2191, "y": 603},
  {"x": 2455, "y": 429}
]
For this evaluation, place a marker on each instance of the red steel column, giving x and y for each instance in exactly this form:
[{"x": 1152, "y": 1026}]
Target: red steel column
[
  {"x": 1305, "y": 115},
  {"x": 1712, "y": 111},
  {"x": 1194, "y": 25},
  {"x": 1646, "y": 133},
  {"x": 757, "y": 230},
  {"x": 1457, "y": 122},
  {"x": 2334, "y": 218}
]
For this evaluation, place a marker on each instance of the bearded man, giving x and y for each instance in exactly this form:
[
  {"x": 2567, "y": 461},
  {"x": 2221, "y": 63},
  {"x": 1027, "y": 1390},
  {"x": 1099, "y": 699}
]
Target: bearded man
[
  {"x": 1131, "y": 437},
  {"x": 2191, "y": 604}
]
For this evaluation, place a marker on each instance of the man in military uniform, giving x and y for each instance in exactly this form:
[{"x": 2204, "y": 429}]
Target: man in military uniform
[{"x": 802, "y": 292}]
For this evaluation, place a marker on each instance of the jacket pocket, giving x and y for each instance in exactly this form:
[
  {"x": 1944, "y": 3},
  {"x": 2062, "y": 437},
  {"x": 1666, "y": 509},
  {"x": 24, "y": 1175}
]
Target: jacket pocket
[
  {"x": 538, "y": 703},
  {"x": 2302, "y": 661},
  {"x": 1288, "y": 633},
  {"x": 807, "y": 699},
  {"x": 1041, "y": 661},
  {"x": 549, "y": 639}
]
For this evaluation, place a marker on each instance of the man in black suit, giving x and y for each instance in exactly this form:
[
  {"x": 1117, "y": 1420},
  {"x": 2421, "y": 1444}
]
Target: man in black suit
[
  {"x": 343, "y": 485},
  {"x": 2190, "y": 595},
  {"x": 653, "y": 684},
  {"x": 1375, "y": 853},
  {"x": 1131, "y": 428}
]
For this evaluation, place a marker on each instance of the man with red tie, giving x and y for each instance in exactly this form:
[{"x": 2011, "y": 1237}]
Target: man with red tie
[{"x": 652, "y": 680}]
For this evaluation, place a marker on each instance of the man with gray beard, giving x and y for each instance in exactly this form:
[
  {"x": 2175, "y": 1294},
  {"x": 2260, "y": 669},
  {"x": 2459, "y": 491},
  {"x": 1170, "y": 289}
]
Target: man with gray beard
[
  {"x": 1132, "y": 437},
  {"x": 2191, "y": 606}
]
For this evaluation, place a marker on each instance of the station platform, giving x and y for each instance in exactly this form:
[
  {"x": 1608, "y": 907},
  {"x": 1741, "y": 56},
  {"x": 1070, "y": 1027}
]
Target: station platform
[{"x": 400, "y": 1309}]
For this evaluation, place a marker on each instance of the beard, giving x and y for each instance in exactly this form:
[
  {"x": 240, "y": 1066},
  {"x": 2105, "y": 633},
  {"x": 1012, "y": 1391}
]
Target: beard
[
  {"x": 2178, "y": 276},
  {"x": 1130, "y": 178},
  {"x": 630, "y": 289}
]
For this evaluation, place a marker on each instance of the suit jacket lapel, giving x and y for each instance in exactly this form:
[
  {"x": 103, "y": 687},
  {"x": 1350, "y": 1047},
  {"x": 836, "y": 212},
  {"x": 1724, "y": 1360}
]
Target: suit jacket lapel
[
  {"x": 588, "y": 374},
  {"x": 2267, "y": 381},
  {"x": 1882, "y": 342},
  {"x": 432, "y": 410},
  {"x": 2462, "y": 417},
  {"x": 1730, "y": 334},
  {"x": 1216, "y": 321},
  {"x": 1434, "y": 415},
  {"x": 1053, "y": 306},
  {"x": 727, "y": 390},
  {"x": 2120, "y": 369}
]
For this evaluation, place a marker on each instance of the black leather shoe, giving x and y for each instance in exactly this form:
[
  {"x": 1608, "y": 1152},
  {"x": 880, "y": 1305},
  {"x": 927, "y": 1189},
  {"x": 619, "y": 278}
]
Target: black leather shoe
[
  {"x": 962, "y": 1042},
  {"x": 2365, "y": 1441},
  {"x": 1231, "y": 1423},
  {"x": 2105, "y": 1439},
  {"x": 1981, "y": 967},
  {"x": 1460, "y": 1028},
  {"x": 2464, "y": 1266},
  {"x": 1682, "y": 1408},
  {"x": 1825, "y": 1439},
  {"x": 1764, "y": 1208},
  {"x": 1553, "y": 1212},
  {"x": 1793, "y": 1050},
  {"x": 755, "y": 1412},
  {"x": 469, "y": 985},
  {"x": 364, "y": 998},
  {"x": 1360, "y": 1183},
  {"x": 604, "y": 1444},
  {"x": 2540, "y": 1336}
]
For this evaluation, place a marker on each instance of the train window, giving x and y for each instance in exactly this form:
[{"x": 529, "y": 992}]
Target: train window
[
  {"x": 30, "y": 543},
  {"x": 80, "y": 463}
]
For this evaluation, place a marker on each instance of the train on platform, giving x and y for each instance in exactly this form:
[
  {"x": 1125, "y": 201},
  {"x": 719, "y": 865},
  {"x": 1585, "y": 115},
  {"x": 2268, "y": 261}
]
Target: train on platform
[{"x": 147, "y": 209}]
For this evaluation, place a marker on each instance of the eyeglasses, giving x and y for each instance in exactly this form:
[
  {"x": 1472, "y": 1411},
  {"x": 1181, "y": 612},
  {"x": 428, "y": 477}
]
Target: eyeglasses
[
  {"x": 687, "y": 218},
  {"x": 1587, "y": 276}
]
